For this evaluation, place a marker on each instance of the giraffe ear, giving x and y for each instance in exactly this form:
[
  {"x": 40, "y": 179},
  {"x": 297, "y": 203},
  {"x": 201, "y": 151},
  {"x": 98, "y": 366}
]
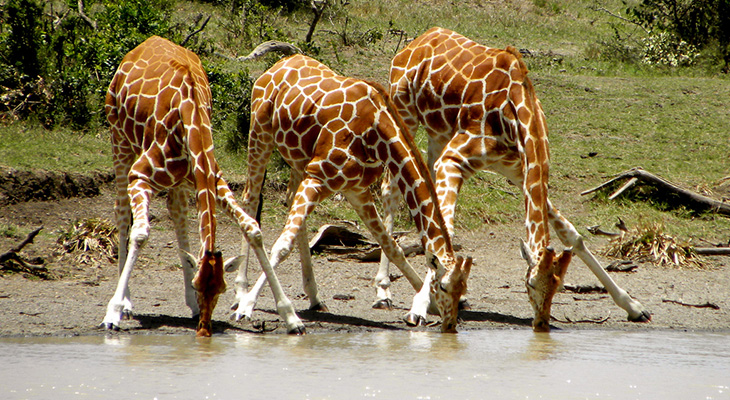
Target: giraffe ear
[
  {"x": 527, "y": 254},
  {"x": 188, "y": 259},
  {"x": 233, "y": 263},
  {"x": 433, "y": 262}
]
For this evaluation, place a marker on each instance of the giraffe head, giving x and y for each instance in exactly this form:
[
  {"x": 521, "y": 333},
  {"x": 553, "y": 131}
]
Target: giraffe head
[
  {"x": 448, "y": 286},
  {"x": 209, "y": 283},
  {"x": 544, "y": 277}
]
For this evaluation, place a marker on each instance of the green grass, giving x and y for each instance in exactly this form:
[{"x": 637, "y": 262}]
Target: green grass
[
  {"x": 26, "y": 146},
  {"x": 604, "y": 116}
]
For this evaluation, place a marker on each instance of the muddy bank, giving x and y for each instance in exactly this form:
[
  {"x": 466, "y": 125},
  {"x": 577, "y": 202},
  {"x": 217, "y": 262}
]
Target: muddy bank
[{"x": 74, "y": 303}]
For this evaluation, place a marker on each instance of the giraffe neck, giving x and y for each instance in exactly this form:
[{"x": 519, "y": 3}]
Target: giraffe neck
[
  {"x": 404, "y": 161},
  {"x": 205, "y": 173},
  {"x": 536, "y": 156}
]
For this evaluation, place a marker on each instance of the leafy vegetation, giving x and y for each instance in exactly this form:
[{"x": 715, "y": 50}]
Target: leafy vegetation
[{"x": 619, "y": 87}]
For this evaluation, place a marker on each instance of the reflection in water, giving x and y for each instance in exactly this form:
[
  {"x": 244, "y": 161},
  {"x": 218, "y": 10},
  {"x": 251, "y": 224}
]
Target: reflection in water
[
  {"x": 397, "y": 365},
  {"x": 540, "y": 347}
]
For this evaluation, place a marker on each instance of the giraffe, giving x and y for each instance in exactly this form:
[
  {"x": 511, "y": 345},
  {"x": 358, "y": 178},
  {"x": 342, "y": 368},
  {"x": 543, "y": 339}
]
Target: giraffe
[
  {"x": 158, "y": 105},
  {"x": 480, "y": 111},
  {"x": 338, "y": 134}
]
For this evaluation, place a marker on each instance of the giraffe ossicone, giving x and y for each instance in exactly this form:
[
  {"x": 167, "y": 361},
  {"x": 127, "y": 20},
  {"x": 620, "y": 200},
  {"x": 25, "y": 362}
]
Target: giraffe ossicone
[
  {"x": 338, "y": 134},
  {"x": 158, "y": 105},
  {"x": 480, "y": 111}
]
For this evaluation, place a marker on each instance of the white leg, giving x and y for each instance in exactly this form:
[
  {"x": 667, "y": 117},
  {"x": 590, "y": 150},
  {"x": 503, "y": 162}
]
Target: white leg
[
  {"x": 389, "y": 196},
  {"x": 308, "y": 282},
  {"x": 120, "y": 303},
  {"x": 177, "y": 206},
  {"x": 283, "y": 305},
  {"x": 246, "y": 300},
  {"x": 421, "y": 302},
  {"x": 570, "y": 237},
  {"x": 244, "y": 304}
]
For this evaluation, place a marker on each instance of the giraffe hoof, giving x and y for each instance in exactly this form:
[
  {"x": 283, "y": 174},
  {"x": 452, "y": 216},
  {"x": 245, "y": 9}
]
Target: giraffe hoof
[
  {"x": 644, "y": 316},
  {"x": 297, "y": 330},
  {"x": 109, "y": 326},
  {"x": 321, "y": 307},
  {"x": 127, "y": 314},
  {"x": 464, "y": 304},
  {"x": 412, "y": 319},
  {"x": 237, "y": 317},
  {"x": 383, "y": 304}
]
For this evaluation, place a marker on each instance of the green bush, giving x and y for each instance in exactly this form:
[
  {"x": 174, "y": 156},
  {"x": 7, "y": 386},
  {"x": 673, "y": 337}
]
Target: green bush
[
  {"x": 58, "y": 73},
  {"x": 231, "y": 105},
  {"x": 680, "y": 27}
]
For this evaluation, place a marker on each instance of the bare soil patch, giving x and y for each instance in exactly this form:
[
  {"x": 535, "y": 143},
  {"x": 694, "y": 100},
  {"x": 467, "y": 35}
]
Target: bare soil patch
[{"x": 75, "y": 301}]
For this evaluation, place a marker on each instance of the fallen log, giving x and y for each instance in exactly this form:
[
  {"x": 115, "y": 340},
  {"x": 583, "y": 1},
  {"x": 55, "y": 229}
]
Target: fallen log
[
  {"x": 691, "y": 199},
  {"x": 712, "y": 251},
  {"x": 12, "y": 261}
]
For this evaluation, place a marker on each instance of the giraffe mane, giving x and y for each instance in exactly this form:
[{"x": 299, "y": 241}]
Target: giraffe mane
[{"x": 418, "y": 159}]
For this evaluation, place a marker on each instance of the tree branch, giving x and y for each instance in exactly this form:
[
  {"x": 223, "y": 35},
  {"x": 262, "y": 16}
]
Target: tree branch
[
  {"x": 83, "y": 15},
  {"x": 692, "y": 199},
  {"x": 195, "y": 32}
]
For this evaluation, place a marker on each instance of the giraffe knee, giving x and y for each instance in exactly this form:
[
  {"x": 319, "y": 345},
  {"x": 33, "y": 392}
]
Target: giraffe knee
[
  {"x": 139, "y": 236},
  {"x": 254, "y": 237}
]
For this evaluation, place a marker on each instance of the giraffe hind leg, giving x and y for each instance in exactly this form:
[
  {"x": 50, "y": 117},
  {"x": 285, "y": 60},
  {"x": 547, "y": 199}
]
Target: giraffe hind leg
[
  {"x": 365, "y": 208},
  {"x": 389, "y": 196},
  {"x": 177, "y": 206}
]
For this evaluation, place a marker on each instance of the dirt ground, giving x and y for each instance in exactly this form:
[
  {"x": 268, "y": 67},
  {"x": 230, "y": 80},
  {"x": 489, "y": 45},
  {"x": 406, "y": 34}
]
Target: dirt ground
[{"x": 75, "y": 302}]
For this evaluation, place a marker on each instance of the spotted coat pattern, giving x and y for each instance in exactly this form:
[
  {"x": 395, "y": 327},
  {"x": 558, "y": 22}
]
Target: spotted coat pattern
[
  {"x": 480, "y": 111},
  {"x": 158, "y": 105},
  {"x": 339, "y": 134}
]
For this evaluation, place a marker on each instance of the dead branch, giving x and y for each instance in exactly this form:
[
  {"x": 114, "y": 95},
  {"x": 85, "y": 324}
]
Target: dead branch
[
  {"x": 622, "y": 266},
  {"x": 318, "y": 10},
  {"x": 596, "y": 230},
  {"x": 705, "y": 305},
  {"x": 264, "y": 48},
  {"x": 712, "y": 251},
  {"x": 567, "y": 320},
  {"x": 12, "y": 261},
  {"x": 585, "y": 289},
  {"x": 83, "y": 15},
  {"x": 196, "y": 31},
  {"x": 338, "y": 235},
  {"x": 607, "y": 11},
  {"x": 692, "y": 199}
]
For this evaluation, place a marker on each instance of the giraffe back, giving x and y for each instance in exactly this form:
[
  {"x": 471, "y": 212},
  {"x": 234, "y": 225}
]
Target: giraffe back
[
  {"x": 343, "y": 131},
  {"x": 470, "y": 95},
  {"x": 159, "y": 105}
]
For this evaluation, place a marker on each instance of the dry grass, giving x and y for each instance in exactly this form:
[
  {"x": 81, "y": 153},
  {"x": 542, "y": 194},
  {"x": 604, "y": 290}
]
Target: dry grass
[
  {"x": 649, "y": 243},
  {"x": 90, "y": 240}
]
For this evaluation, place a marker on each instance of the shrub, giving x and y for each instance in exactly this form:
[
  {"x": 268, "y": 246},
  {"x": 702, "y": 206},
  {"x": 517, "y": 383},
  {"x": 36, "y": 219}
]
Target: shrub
[{"x": 666, "y": 49}]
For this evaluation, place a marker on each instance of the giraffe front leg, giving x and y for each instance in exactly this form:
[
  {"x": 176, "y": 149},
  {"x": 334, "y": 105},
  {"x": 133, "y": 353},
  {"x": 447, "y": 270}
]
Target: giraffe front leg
[
  {"x": 241, "y": 307},
  {"x": 570, "y": 237},
  {"x": 120, "y": 305},
  {"x": 284, "y": 306},
  {"x": 308, "y": 281},
  {"x": 422, "y": 301}
]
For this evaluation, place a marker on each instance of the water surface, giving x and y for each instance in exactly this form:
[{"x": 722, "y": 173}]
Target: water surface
[{"x": 492, "y": 364}]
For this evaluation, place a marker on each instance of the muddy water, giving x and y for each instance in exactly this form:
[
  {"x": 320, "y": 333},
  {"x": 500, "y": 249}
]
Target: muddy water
[{"x": 497, "y": 364}]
